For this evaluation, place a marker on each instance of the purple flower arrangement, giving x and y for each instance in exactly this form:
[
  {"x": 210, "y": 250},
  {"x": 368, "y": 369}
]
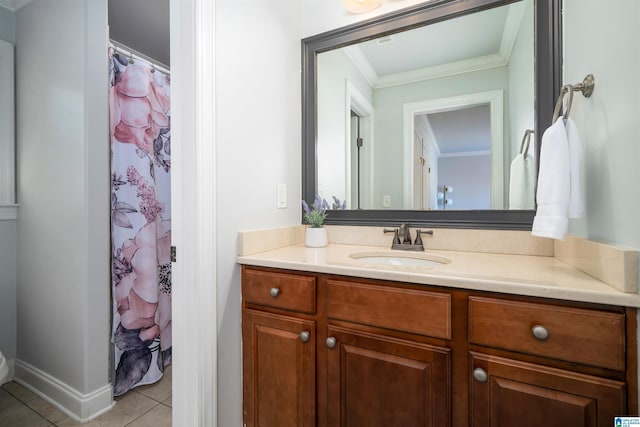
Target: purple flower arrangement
[{"x": 317, "y": 212}]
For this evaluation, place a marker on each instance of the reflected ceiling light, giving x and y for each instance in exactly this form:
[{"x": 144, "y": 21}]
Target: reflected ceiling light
[{"x": 361, "y": 6}]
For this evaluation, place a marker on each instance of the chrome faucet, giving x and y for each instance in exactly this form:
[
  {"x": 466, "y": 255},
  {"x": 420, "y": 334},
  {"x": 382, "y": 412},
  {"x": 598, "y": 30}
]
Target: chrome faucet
[{"x": 402, "y": 238}]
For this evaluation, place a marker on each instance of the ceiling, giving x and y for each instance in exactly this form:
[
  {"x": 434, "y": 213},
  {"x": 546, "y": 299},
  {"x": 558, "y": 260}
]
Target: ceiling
[
  {"x": 444, "y": 48},
  {"x": 441, "y": 43},
  {"x": 462, "y": 131},
  {"x": 142, "y": 25}
]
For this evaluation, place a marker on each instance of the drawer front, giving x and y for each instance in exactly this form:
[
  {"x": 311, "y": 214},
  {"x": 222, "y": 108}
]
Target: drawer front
[
  {"x": 578, "y": 335},
  {"x": 406, "y": 310},
  {"x": 279, "y": 290}
]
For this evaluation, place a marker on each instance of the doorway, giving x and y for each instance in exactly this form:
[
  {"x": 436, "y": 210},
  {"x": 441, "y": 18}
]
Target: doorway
[{"x": 494, "y": 99}]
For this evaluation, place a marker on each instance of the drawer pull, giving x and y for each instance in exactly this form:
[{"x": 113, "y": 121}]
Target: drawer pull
[
  {"x": 331, "y": 342},
  {"x": 274, "y": 292},
  {"x": 540, "y": 332},
  {"x": 480, "y": 375},
  {"x": 304, "y": 336}
]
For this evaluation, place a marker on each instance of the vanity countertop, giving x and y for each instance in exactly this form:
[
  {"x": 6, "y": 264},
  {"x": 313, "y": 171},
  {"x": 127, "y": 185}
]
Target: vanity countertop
[{"x": 537, "y": 276}]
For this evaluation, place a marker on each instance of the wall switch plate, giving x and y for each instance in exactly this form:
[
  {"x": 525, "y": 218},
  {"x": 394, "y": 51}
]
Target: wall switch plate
[
  {"x": 386, "y": 201},
  {"x": 282, "y": 196}
]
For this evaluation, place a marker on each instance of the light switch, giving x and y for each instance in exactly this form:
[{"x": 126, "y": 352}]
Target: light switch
[
  {"x": 386, "y": 201},
  {"x": 282, "y": 196}
]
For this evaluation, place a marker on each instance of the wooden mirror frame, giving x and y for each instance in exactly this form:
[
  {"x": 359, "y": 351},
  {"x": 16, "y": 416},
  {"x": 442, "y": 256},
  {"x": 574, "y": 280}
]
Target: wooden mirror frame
[{"x": 548, "y": 81}]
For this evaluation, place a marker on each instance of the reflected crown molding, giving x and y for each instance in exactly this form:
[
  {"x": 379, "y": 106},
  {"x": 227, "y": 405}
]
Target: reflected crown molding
[
  {"x": 499, "y": 59},
  {"x": 13, "y": 5}
]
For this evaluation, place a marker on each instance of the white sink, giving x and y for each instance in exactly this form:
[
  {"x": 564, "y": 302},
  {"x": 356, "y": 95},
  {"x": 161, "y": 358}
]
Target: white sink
[{"x": 396, "y": 258}]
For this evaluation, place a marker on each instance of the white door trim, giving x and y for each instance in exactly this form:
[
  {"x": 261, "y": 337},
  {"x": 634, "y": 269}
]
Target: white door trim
[
  {"x": 193, "y": 213},
  {"x": 354, "y": 100}
]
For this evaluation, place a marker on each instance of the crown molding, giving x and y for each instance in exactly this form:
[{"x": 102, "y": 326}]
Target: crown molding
[
  {"x": 444, "y": 70},
  {"x": 500, "y": 59},
  {"x": 13, "y": 5},
  {"x": 355, "y": 55}
]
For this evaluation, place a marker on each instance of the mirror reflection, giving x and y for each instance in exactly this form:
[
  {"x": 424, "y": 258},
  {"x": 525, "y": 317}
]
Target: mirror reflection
[{"x": 430, "y": 118}]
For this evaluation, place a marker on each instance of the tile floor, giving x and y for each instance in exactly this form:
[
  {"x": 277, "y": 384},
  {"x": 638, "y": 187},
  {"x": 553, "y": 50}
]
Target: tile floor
[{"x": 143, "y": 406}]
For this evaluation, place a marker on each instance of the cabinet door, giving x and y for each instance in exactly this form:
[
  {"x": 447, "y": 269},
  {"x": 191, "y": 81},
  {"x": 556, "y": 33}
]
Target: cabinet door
[
  {"x": 507, "y": 392},
  {"x": 380, "y": 381},
  {"x": 278, "y": 370}
]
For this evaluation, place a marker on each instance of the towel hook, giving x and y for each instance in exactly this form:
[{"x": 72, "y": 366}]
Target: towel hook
[
  {"x": 526, "y": 139},
  {"x": 586, "y": 87}
]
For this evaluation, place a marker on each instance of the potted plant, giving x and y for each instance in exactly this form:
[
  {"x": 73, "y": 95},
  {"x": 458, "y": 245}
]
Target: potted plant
[{"x": 314, "y": 215}]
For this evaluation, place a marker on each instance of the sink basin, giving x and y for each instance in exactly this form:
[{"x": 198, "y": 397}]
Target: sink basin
[{"x": 399, "y": 258}]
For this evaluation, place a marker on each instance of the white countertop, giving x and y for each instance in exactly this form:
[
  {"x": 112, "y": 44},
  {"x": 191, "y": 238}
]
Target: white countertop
[{"x": 538, "y": 276}]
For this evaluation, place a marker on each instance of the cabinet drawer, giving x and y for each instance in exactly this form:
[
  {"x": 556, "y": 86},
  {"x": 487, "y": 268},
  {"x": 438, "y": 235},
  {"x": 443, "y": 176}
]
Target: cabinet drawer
[
  {"x": 286, "y": 291},
  {"x": 579, "y": 335},
  {"x": 407, "y": 310}
]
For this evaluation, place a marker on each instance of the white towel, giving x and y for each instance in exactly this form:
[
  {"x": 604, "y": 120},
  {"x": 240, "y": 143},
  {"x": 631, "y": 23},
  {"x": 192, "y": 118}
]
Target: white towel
[
  {"x": 576, "y": 196},
  {"x": 554, "y": 184},
  {"x": 521, "y": 183}
]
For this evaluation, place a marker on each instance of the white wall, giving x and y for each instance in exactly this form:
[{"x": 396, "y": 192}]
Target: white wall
[
  {"x": 600, "y": 37},
  {"x": 470, "y": 177},
  {"x": 63, "y": 189}
]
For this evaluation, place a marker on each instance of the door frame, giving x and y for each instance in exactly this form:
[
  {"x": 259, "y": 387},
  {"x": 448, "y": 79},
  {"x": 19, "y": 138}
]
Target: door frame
[
  {"x": 193, "y": 208},
  {"x": 495, "y": 98}
]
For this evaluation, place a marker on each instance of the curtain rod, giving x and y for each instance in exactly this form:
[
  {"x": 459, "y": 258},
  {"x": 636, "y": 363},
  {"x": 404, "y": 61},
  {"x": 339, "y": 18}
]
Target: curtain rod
[{"x": 131, "y": 53}]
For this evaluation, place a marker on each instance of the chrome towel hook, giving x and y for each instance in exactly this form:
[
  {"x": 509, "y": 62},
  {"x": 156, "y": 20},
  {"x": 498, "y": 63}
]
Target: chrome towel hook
[
  {"x": 586, "y": 87},
  {"x": 526, "y": 140}
]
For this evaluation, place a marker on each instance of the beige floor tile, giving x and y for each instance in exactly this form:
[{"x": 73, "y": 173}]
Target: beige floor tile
[
  {"x": 50, "y": 412},
  {"x": 168, "y": 401},
  {"x": 158, "y": 391},
  {"x": 14, "y": 413},
  {"x": 159, "y": 416},
  {"x": 128, "y": 408},
  {"x": 22, "y": 393}
]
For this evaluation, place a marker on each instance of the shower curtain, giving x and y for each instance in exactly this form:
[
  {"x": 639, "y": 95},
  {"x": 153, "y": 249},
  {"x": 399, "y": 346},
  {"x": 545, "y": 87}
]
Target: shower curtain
[{"x": 139, "y": 109}]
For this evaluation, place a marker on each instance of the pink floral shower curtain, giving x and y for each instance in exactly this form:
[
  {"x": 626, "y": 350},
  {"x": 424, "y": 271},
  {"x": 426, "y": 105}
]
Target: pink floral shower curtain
[{"x": 139, "y": 107}]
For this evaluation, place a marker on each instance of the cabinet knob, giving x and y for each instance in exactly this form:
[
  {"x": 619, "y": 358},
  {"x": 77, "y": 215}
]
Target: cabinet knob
[
  {"x": 540, "y": 332},
  {"x": 304, "y": 336},
  {"x": 480, "y": 375},
  {"x": 274, "y": 292},
  {"x": 331, "y": 342}
]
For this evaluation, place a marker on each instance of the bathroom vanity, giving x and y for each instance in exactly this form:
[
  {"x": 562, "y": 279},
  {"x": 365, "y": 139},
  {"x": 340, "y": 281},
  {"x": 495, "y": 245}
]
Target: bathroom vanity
[{"x": 328, "y": 342}]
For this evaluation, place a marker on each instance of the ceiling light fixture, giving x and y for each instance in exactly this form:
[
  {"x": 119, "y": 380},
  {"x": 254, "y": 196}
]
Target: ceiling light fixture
[{"x": 361, "y": 6}]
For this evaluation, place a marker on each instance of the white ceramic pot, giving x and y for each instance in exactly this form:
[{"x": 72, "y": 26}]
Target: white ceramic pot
[{"x": 316, "y": 237}]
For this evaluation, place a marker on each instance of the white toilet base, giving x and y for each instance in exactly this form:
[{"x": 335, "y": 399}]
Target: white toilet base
[{"x": 4, "y": 369}]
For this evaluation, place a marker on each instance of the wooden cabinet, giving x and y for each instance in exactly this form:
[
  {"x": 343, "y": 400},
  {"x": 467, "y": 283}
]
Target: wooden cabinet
[
  {"x": 328, "y": 350},
  {"x": 377, "y": 381},
  {"x": 508, "y": 392},
  {"x": 279, "y": 351},
  {"x": 279, "y": 370}
]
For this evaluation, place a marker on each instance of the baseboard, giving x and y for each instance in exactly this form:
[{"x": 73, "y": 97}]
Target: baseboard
[
  {"x": 11, "y": 364},
  {"x": 81, "y": 407}
]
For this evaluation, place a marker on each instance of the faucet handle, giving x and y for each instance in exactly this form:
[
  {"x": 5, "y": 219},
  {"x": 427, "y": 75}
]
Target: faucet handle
[
  {"x": 418, "y": 241},
  {"x": 419, "y": 236},
  {"x": 396, "y": 235}
]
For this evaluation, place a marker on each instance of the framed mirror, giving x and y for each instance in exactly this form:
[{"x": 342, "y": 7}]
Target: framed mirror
[{"x": 416, "y": 116}]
